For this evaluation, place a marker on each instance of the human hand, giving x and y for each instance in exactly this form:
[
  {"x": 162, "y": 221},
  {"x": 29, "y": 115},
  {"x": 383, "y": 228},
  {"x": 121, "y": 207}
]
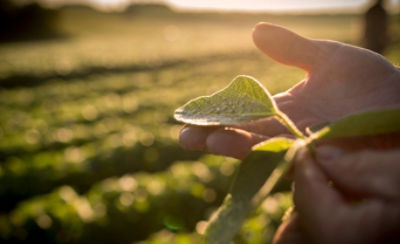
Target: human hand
[
  {"x": 341, "y": 80},
  {"x": 326, "y": 213}
]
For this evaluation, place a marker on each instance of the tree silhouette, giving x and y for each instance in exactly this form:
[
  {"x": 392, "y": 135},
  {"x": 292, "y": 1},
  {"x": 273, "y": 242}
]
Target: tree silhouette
[
  {"x": 26, "y": 22},
  {"x": 375, "y": 31}
]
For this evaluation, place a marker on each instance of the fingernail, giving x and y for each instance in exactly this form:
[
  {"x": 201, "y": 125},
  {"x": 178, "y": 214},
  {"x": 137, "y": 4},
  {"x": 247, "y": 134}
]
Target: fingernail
[
  {"x": 184, "y": 130},
  {"x": 328, "y": 153},
  {"x": 231, "y": 143}
]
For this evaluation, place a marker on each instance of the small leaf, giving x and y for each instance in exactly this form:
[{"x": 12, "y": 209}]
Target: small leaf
[
  {"x": 256, "y": 168},
  {"x": 243, "y": 100},
  {"x": 273, "y": 145},
  {"x": 250, "y": 178},
  {"x": 363, "y": 124}
]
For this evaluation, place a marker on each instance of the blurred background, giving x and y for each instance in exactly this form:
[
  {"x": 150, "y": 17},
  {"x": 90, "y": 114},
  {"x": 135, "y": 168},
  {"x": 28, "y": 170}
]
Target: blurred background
[{"x": 88, "y": 144}]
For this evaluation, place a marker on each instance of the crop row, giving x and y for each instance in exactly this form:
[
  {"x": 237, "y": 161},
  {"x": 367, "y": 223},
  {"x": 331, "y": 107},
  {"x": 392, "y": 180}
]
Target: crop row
[
  {"x": 258, "y": 229},
  {"x": 60, "y": 105},
  {"x": 82, "y": 165},
  {"x": 131, "y": 207}
]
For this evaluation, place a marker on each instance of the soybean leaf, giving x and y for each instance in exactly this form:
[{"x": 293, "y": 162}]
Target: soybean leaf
[
  {"x": 243, "y": 100},
  {"x": 250, "y": 179},
  {"x": 363, "y": 124}
]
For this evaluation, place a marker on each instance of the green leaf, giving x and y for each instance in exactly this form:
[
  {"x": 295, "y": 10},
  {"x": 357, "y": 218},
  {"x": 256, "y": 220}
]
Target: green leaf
[
  {"x": 243, "y": 100},
  {"x": 363, "y": 124},
  {"x": 242, "y": 198}
]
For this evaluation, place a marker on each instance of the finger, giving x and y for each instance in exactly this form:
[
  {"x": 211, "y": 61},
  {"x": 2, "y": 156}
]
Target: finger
[
  {"x": 194, "y": 137},
  {"x": 371, "y": 221},
  {"x": 357, "y": 143},
  {"x": 365, "y": 173},
  {"x": 314, "y": 199},
  {"x": 288, "y": 47},
  {"x": 272, "y": 127},
  {"x": 267, "y": 127},
  {"x": 327, "y": 218},
  {"x": 289, "y": 232},
  {"x": 232, "y": 142}
]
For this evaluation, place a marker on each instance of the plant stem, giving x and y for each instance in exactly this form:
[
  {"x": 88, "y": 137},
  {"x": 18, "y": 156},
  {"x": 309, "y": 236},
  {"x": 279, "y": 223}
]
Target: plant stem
[
  {"x": 288, "y": 123},
  {"x": 284, "y": 165},
  {"x": 271, "y": 182}
]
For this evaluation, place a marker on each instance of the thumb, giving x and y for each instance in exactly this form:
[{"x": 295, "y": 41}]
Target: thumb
[
  {"x": 364, "y": 173},
  {"x": 290, "y": 48}
]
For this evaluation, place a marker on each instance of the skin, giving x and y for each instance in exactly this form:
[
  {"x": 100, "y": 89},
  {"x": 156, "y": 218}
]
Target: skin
[
  {"x": 341, "y": 80},
  {"x": 326, "y": 214},
  {"x": 340, "y": 196}
]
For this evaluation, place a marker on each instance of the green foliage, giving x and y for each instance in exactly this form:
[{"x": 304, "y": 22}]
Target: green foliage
[
  {"x": 83, "y": 115},
  {"x": 147, "y": 201},
  {"x": 243, "y": 100},
  {"x": 363, "y": 124}
]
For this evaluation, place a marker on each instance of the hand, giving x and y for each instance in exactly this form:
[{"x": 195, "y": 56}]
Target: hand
[
  {"x": 341, "y": 80},
  {"x": 326, "y": 214}
]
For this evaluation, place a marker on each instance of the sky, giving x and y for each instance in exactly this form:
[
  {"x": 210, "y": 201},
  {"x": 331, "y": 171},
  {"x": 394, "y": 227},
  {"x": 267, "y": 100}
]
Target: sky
[
  {"x": 249, "y": 5},
  {"x": 271, "y": 5}
]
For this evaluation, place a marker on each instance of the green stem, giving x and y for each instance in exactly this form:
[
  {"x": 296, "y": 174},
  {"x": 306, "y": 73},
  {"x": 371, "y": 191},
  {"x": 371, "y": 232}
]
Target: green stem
[
  {"x": 288, "y": 123},
  {"x": 271, "y": 182},
  {"x": 311, "y": 148},
  {"x": 284, "y": 165}
]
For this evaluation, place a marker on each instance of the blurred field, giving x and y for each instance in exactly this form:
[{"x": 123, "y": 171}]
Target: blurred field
[{"x": 88, "y": 145}]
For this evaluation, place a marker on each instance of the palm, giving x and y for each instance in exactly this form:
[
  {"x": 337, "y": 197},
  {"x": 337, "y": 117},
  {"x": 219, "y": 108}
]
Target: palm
[
  {"x": 349, "y": 80},
  {"x": 341, "y": 80}
]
